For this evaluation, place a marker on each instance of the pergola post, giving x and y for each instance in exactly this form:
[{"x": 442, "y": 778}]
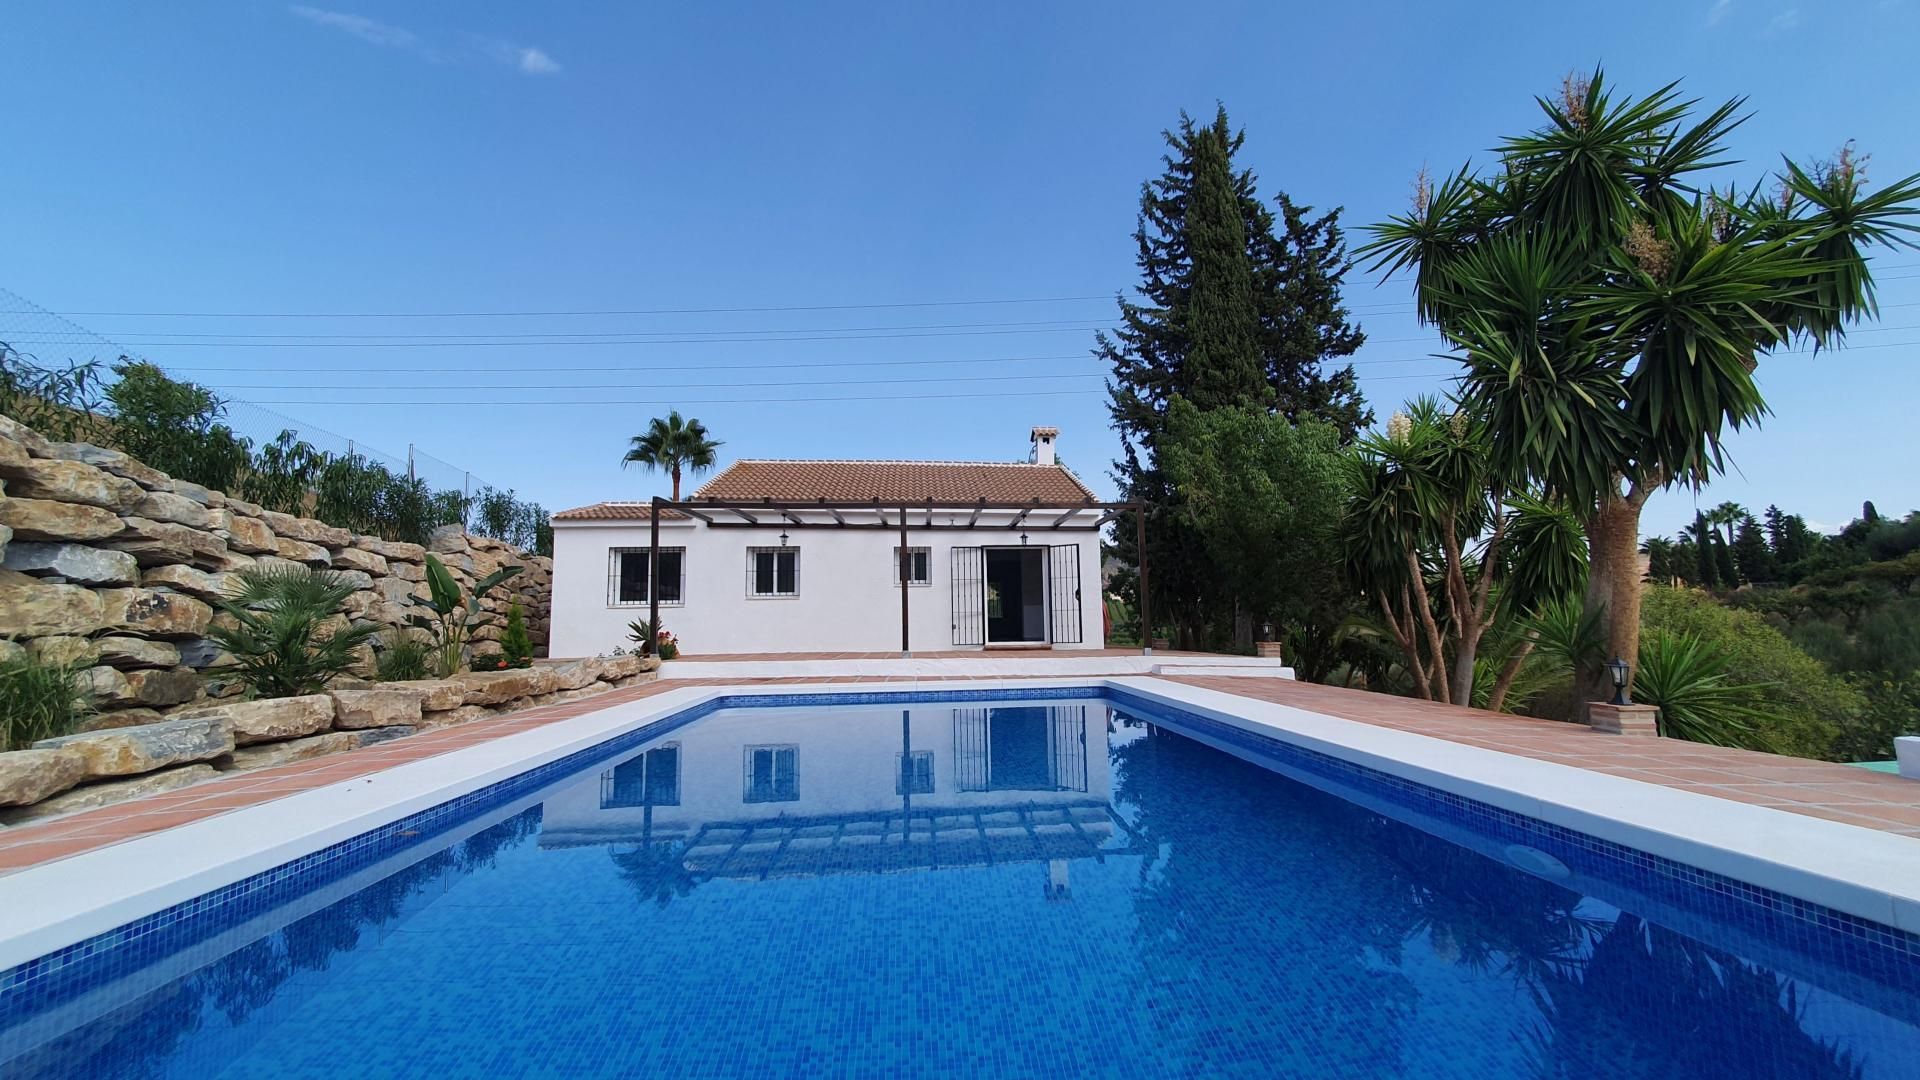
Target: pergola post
[
  {"x": 653, "y": 579},
  {"x": 906, "y": 569},
  {"x": 1146, "y": 603}
]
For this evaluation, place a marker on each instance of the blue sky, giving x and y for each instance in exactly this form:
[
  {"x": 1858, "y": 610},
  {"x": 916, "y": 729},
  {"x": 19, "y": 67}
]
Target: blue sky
[{"x": 489, "y": 157}]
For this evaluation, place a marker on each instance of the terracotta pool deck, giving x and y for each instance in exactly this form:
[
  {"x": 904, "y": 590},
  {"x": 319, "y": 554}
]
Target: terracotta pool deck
[{"x": 1820, "y": 789}]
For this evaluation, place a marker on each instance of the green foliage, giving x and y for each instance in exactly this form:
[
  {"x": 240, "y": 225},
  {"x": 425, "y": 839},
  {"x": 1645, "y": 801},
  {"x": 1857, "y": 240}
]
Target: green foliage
[
  {"x": 515, "y": 643},
  {"x": 58, "y": 402},
  {"x": 402, "y": 657},
  {"x": 454, "y": 612},
  {"x": 1235, "y": 307},
  {"x": 175, "y": 427},
  {"x": 1893, "y": 710},
  {"x": 1265, "y": 498},
  {"x": 502, "y": 516},
  {"x": 670, "y": 445},
  {"x": 1751, "y": 554},
  {"x": 1567, "y": 632},
  {"x": 285, "y": 638},
  {"x": 1609, "y": 308},
  {"x": 1690, "y": 682},
  {"x": 640, "y": 632},
  {"x": 39, "y": 700},
  {"x": 1810, "y": 706}
]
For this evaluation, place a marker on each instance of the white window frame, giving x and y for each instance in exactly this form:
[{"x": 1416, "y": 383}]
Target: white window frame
[
  {"x": 753, "y": 574},
  {"x": 917, "y": 583},
  {"x": 614, "y": 578}
]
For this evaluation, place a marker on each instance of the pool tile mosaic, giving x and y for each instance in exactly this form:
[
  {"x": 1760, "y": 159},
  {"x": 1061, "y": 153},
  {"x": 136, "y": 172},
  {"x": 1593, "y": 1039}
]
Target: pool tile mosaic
[{"x": 1150, "y": 907}]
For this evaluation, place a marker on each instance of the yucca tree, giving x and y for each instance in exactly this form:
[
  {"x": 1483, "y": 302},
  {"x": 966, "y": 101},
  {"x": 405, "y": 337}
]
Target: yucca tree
[
  {"x": 1444, "y": 547},
  {"x": 1609, "y": 314},
  {"x": 670, "y": 445}
]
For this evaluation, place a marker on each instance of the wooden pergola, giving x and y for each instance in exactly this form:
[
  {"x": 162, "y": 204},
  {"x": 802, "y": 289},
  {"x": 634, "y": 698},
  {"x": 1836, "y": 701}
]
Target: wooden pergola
[{"x": 1053, "y": 516}]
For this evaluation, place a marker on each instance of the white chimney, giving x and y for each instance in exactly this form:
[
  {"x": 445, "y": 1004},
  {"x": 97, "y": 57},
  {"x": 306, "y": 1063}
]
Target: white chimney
[{"x": 1043, "y": 438}]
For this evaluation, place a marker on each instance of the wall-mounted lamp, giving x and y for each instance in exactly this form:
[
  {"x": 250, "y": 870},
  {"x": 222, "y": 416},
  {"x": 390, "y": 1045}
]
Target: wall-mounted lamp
[{"x": 783, "y": 537}]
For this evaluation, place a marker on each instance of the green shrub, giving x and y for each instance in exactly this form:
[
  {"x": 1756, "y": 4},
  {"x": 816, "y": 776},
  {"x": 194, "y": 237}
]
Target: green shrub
[
  {"x": 454, "y": 613},
  {"x": 284, "y": 639},
  {"x": 1809, "y": 706},
  {"x": 1893, "y": 709},
  {"x": 515, "y": 643},
  {"x": 402, "y": 657},
  {"x": 1688, "y": 680},
  {"x": 38, "y": 700}
]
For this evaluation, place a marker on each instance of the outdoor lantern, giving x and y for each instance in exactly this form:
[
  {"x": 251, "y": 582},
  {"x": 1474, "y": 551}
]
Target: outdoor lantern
[
  {"x": 783, "y": 537},
  {"x": 1620, "y": 671},
  {"x": 1023, "y": 536}
]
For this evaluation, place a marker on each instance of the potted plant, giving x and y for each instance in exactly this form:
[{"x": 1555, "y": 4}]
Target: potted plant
[{"x": 667, "y": 645}]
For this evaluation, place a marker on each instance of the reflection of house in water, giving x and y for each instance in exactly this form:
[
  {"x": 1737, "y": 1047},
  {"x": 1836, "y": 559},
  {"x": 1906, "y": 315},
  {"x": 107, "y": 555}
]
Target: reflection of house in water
[{"x": 794, "y": 792}]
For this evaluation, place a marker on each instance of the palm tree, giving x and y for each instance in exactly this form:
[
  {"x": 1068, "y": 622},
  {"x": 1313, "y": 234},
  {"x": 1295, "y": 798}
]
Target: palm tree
[
  {"x": 1659, "y": 553},
  {"x": 671, "y": 445},
  {"x": 1609, "y": 311},
  {"x": 1729, "y": 515}
]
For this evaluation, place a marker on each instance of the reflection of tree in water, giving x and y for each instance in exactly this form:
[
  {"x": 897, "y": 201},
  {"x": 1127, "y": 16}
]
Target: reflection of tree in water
[
  {"x": 1228, "y": 971},
  {"x": 138, "y": 1039},
  {"x": 1651, "y": 1004},
  {"x": 1616, "y": 997},
  {"x": 656, "y": 870}
]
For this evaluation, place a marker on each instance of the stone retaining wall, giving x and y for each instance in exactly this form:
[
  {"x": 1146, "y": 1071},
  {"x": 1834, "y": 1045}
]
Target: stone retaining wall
[
  {"x": 200, "y": 741},
  {"x": 108, "y": 562}
]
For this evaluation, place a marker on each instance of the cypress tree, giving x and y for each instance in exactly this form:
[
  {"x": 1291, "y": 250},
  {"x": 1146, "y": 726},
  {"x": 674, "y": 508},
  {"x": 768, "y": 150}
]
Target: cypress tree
[
  {"x": 1704, "y": 537},
  {"x": 1228, "y": 314},
  {"x": 1750, "y": 552}
]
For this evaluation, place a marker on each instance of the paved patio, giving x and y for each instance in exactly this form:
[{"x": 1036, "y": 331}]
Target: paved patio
[{"x": 1819, "y": 789}]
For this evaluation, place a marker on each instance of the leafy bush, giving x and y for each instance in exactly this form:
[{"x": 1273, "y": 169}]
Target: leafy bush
[
  {"x": 1689, "y": 681},
  {"x": 401, "y": 657},
  {"x": 1809, "y": 706},
  {"x": 515, "y": 643},
  {"x": 38, "y": 700},
  {"x": 59, "y": 403},
  {"x": 175, "y": 426},
  {"x": 284, "y": 638},
  {"x": 455, "y": 611},
  {"x": 1893, "y": 710}
]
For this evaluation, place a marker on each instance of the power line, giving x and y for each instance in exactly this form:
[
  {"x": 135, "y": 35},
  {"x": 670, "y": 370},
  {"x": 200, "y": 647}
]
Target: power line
[
  {"x": 913, "y": 398},
  {"x": 675, "y": 386},
  {"x": 570, "y": 344}
]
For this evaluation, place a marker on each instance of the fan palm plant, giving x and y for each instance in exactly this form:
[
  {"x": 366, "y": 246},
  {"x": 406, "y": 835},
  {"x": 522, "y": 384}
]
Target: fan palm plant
[
  {"x": 672, "y": 444},
  {"x": 1609, "y": 314},
  {"x": 285, "y": 638}
]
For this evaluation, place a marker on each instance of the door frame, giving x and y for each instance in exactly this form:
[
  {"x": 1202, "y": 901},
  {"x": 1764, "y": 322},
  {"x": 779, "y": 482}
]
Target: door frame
[{"x": 1045, "y": 640}]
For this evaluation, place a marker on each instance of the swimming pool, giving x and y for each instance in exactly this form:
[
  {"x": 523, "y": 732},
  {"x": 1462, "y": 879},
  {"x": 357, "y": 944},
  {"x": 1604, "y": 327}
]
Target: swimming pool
[{"x": 1070, "y": 884}]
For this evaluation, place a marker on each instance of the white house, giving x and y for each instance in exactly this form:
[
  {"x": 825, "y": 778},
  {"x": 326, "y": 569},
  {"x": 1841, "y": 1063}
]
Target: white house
[{"x": 804, "y": 556}]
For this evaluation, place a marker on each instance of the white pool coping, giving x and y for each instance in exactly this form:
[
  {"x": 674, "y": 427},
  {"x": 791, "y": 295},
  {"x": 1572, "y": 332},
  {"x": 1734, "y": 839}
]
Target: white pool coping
[
  {"x": 1063, "y": 663},
  {"x": 1863, "y": 872}
]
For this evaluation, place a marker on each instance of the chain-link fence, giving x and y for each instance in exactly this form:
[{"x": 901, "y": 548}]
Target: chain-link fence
[{"x": 65, "y": 376}]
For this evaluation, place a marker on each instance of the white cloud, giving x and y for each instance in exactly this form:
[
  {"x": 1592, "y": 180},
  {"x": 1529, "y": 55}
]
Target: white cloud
[
  {"x": 536, "y": 62},
  {"x": 1783, "y": 22},
  {"x": 367, "y": 30},
  {"x": 523, "y": 58},
  {"x": 1720, "y": 10}
]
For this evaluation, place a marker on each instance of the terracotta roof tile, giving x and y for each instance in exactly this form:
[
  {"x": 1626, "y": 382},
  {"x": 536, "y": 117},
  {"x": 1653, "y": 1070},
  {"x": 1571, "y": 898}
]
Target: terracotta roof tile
[
  {"x": 614, "y": 511},
  {"x": 912, "y": 481}
]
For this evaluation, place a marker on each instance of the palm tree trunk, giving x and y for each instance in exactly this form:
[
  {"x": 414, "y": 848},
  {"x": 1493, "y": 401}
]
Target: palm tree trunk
[
  {"x": 1613, "y": 586},
  {"x": 676, "y": 482}
]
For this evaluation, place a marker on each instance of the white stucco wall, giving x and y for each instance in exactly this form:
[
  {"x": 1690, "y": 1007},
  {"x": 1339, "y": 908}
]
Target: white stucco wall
[{"x": 847, "y": 601}]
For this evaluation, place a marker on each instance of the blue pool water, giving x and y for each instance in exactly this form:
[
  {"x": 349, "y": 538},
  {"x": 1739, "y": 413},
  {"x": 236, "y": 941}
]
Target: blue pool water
[{"x": 986, "y": 889}]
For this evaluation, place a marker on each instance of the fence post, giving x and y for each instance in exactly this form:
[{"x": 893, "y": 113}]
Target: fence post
[
  {"x": 411, "y": 479},
  {"x": 466, "y": 499}
]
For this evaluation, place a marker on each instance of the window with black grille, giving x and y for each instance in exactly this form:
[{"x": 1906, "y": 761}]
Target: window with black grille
[
  {"x": 773, "y": 571},
  {"x": 627, "y": 576},
  {"x": 919, "y": 566}
]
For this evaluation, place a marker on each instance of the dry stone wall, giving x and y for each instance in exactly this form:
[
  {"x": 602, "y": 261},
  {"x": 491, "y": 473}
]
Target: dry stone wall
[
  {"x": 109, "y": 562},
  {"x": 203, "y": 740}
]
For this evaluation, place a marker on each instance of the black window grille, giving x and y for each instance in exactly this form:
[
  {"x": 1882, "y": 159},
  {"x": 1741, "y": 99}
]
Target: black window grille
[{"x": 627, "y": 576}]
